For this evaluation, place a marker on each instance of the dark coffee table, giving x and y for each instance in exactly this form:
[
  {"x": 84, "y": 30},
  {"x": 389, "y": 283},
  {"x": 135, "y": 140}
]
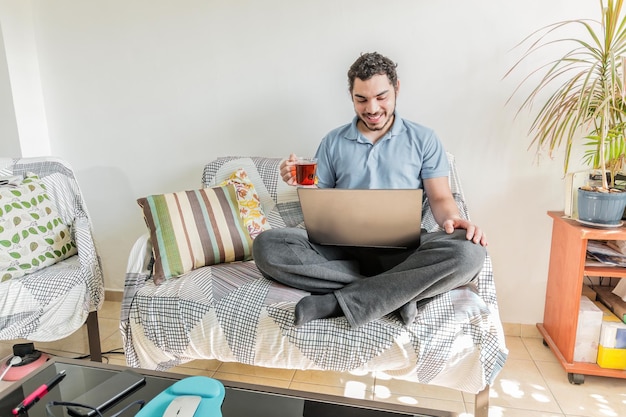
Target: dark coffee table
[{"x": 241, "y": 399}]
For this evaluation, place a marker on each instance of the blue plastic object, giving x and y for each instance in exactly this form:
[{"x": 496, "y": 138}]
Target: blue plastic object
[
  {"x": 211, "y": 390},
  {"x": 601, "y": 208}
]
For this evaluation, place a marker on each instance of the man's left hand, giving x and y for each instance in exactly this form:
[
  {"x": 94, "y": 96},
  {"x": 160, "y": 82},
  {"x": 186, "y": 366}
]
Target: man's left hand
[{"x": 474, "y": 233}]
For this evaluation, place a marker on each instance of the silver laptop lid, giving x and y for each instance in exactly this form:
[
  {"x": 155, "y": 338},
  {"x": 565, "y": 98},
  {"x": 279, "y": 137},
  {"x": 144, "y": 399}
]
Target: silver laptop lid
[{"x": 371, "y": 218}]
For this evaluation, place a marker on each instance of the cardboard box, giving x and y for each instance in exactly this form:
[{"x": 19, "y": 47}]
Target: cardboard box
[
  {"x": 573, "y": 181},
  {"x": 587, "y": 331},
  {"x": 589, "y": 292},
  {"x": 607, "y": 315},
  {"x": 612, "y": 301},
  {"x": 611, "y": 358},
  {"x": 613, "y": 335}
]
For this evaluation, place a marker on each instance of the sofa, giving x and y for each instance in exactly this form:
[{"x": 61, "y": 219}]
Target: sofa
[
  {"x": 229, "y": 312},
  {"x": 48, "y": 303}
]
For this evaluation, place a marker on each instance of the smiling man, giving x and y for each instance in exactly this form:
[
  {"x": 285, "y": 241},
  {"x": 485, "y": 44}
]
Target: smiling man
[
  {"x": 377, "y": 150},
  {"x": 374, "y": 100}
]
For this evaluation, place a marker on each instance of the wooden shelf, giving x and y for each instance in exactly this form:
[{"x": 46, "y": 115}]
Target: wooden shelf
[
  {"x": 605, "y": 271},
  {"x": 582, "y": 368},
  {"x": 565, "y": 279}
]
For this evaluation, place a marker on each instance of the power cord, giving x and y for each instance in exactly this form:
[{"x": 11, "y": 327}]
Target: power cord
[
  {"x": 116, "y": 351},
  {"x": 51, "y": 404}
]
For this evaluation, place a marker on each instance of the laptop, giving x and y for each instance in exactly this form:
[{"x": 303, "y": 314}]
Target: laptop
[{"x": 365, "y": 218}]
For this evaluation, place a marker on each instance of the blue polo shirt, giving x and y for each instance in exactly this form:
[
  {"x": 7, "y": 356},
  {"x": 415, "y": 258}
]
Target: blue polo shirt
[{"x": 406, "y": 154}]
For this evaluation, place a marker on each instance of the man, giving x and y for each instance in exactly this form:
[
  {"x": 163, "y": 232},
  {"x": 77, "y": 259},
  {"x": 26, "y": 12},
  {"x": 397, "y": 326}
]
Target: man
[{"x": 378, "y": 149}]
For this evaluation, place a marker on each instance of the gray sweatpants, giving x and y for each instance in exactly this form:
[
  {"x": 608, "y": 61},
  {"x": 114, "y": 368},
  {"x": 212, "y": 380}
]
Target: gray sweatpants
[{"x": 368, "y": 282}]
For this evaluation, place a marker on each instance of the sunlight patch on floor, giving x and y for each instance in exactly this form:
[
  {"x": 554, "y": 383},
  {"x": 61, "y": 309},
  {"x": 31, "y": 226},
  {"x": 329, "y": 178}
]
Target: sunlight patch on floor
[
  {"x": 407, "y": 400},
  {"x": 511, "y": 388},
  {"x": 382, "y": 391},
  {"x": 355, "y": 389}
]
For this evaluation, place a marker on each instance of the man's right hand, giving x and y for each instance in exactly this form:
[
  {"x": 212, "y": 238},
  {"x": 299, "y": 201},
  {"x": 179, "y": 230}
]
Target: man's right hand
[{"x": 288, "y": 169}]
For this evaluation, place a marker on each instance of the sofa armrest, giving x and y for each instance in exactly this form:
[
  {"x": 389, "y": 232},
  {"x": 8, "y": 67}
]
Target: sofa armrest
[
  {"x": 140, "y": 258},
  {"x": 89, "y": 261},
  {"x": 138, "y": 271}
]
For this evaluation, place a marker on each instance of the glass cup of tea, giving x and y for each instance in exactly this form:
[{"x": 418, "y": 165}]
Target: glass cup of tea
[{"x": 305, "y": 171}]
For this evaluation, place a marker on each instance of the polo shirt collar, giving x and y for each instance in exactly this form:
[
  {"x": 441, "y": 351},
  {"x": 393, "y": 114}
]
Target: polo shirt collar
[{"x": 396, "y": 128}]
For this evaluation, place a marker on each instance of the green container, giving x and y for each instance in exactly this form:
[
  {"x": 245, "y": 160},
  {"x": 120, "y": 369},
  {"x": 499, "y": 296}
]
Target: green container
[{"x": 601, "y": 208}]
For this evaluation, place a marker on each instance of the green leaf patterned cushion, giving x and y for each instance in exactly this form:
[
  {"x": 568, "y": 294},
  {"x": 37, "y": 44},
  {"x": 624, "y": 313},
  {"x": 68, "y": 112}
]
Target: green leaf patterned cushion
[{"x": 32, "y": 234}]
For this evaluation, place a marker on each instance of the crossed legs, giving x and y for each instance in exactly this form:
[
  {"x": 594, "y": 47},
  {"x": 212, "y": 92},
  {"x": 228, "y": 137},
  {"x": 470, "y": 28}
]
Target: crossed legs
[{"x": 362, "y": 283}]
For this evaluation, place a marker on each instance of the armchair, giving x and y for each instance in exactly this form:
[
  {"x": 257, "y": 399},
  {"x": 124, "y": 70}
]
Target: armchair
[{"x": 53, "y": 302}]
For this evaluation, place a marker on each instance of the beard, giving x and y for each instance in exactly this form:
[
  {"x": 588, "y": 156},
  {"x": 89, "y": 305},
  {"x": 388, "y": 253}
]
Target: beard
[{"x": 383, "y": 124}]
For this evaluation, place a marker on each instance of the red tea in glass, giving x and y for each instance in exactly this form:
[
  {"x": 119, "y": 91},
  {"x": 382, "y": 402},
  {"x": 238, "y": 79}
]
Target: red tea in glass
[{"x": 305, "y": 171}]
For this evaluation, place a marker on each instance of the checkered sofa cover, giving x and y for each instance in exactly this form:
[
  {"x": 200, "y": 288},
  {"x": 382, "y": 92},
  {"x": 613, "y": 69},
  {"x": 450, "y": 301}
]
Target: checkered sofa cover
[
  {"x": 231, "y": 313},
  {"x": 54, "y": 302}
]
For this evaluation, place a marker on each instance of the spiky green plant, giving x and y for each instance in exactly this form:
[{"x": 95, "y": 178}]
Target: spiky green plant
[
  {"x": 614, "y": 150},
  {"x": 588, "y": 100}
]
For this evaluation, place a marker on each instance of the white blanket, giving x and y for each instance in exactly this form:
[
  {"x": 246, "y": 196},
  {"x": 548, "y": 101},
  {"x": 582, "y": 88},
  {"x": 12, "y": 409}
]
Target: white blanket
[{"x": 229, "y": 312}]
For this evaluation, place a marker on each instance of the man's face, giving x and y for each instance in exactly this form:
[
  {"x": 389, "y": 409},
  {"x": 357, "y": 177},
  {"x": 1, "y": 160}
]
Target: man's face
[{"x": 374, "y": 101}]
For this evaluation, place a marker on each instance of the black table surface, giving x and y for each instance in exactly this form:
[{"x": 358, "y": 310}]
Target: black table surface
[{"x": 241, "y": 399}]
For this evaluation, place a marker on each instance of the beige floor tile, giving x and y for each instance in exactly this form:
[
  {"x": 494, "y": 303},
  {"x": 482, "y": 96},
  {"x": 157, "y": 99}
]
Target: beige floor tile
[
  {"x": 60, "y": 353},
  {"x": 426, "y": 402},
  {"x": 335, "y": 379},
  {"x": 512, "y": 329},
  {"x": 110, "y": 310},
  {"x": 119, "y": 360},
  {"x": 205, "y": 364},
  {"x": 114, "y": 340},
  {"x": 191, "y": 371},
  {"x": 539, "y": 351},
  {"x": 350, "y": 390},
  {"x": 345, "y": 384},
  {"x": 517, "y": 348},
  {"x": 108, "y": 328},
  {"x": 596, "y": 397},
  {"x": 520, "y": 385},
  {"x": 6, "y": 349},
  {"x": 513, "y": 412},
  {"x": 256, "y": 371},
  {"x": 386, "y": 386},
  {"x": 251, "y": 379},
  {"x": 530, "y": 331}
]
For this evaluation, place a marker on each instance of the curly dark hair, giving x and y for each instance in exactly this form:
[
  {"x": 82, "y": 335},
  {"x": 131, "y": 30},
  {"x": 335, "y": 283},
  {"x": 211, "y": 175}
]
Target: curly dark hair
[{"x": 369, "y": 64}]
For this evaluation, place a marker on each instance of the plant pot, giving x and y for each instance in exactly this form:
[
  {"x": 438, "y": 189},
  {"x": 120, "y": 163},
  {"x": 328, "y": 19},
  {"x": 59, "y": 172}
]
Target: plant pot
[{"x": 601, "y": 208}]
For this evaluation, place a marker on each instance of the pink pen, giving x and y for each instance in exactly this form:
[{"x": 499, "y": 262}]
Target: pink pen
[{"x": 38, "y": 394}]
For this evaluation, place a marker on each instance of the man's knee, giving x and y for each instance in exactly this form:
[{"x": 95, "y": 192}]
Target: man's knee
[
  {"x": 258, "y": 250},
  {"x": 274, "y": 243},
  {"x": 471, "y": 255}
]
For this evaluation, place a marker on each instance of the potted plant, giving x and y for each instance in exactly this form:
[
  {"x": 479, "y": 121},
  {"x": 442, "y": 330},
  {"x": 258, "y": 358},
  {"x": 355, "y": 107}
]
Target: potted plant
[{"x": 586, "y": 103}]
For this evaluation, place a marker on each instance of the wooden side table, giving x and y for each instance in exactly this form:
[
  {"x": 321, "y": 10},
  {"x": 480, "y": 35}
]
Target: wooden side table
[{"x": 565, "y": 280}]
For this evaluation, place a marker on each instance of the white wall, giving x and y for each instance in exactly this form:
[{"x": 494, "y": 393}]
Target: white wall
[
  {"x": 10, "y": 143},
  {"x": 16, "y": 18},
  {"x": 140, "y": 94}
]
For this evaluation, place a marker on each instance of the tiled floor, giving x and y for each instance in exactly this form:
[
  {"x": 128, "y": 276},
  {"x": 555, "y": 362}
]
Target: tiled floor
[{"x": 532, "y": 383}]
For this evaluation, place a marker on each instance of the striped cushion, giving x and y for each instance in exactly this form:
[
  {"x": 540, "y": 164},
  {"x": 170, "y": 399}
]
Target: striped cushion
[{"x": 192, "y": 229}]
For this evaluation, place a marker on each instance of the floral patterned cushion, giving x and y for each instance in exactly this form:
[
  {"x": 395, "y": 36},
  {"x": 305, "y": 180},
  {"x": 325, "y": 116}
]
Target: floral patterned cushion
[{"x": 250, "y": 207}]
